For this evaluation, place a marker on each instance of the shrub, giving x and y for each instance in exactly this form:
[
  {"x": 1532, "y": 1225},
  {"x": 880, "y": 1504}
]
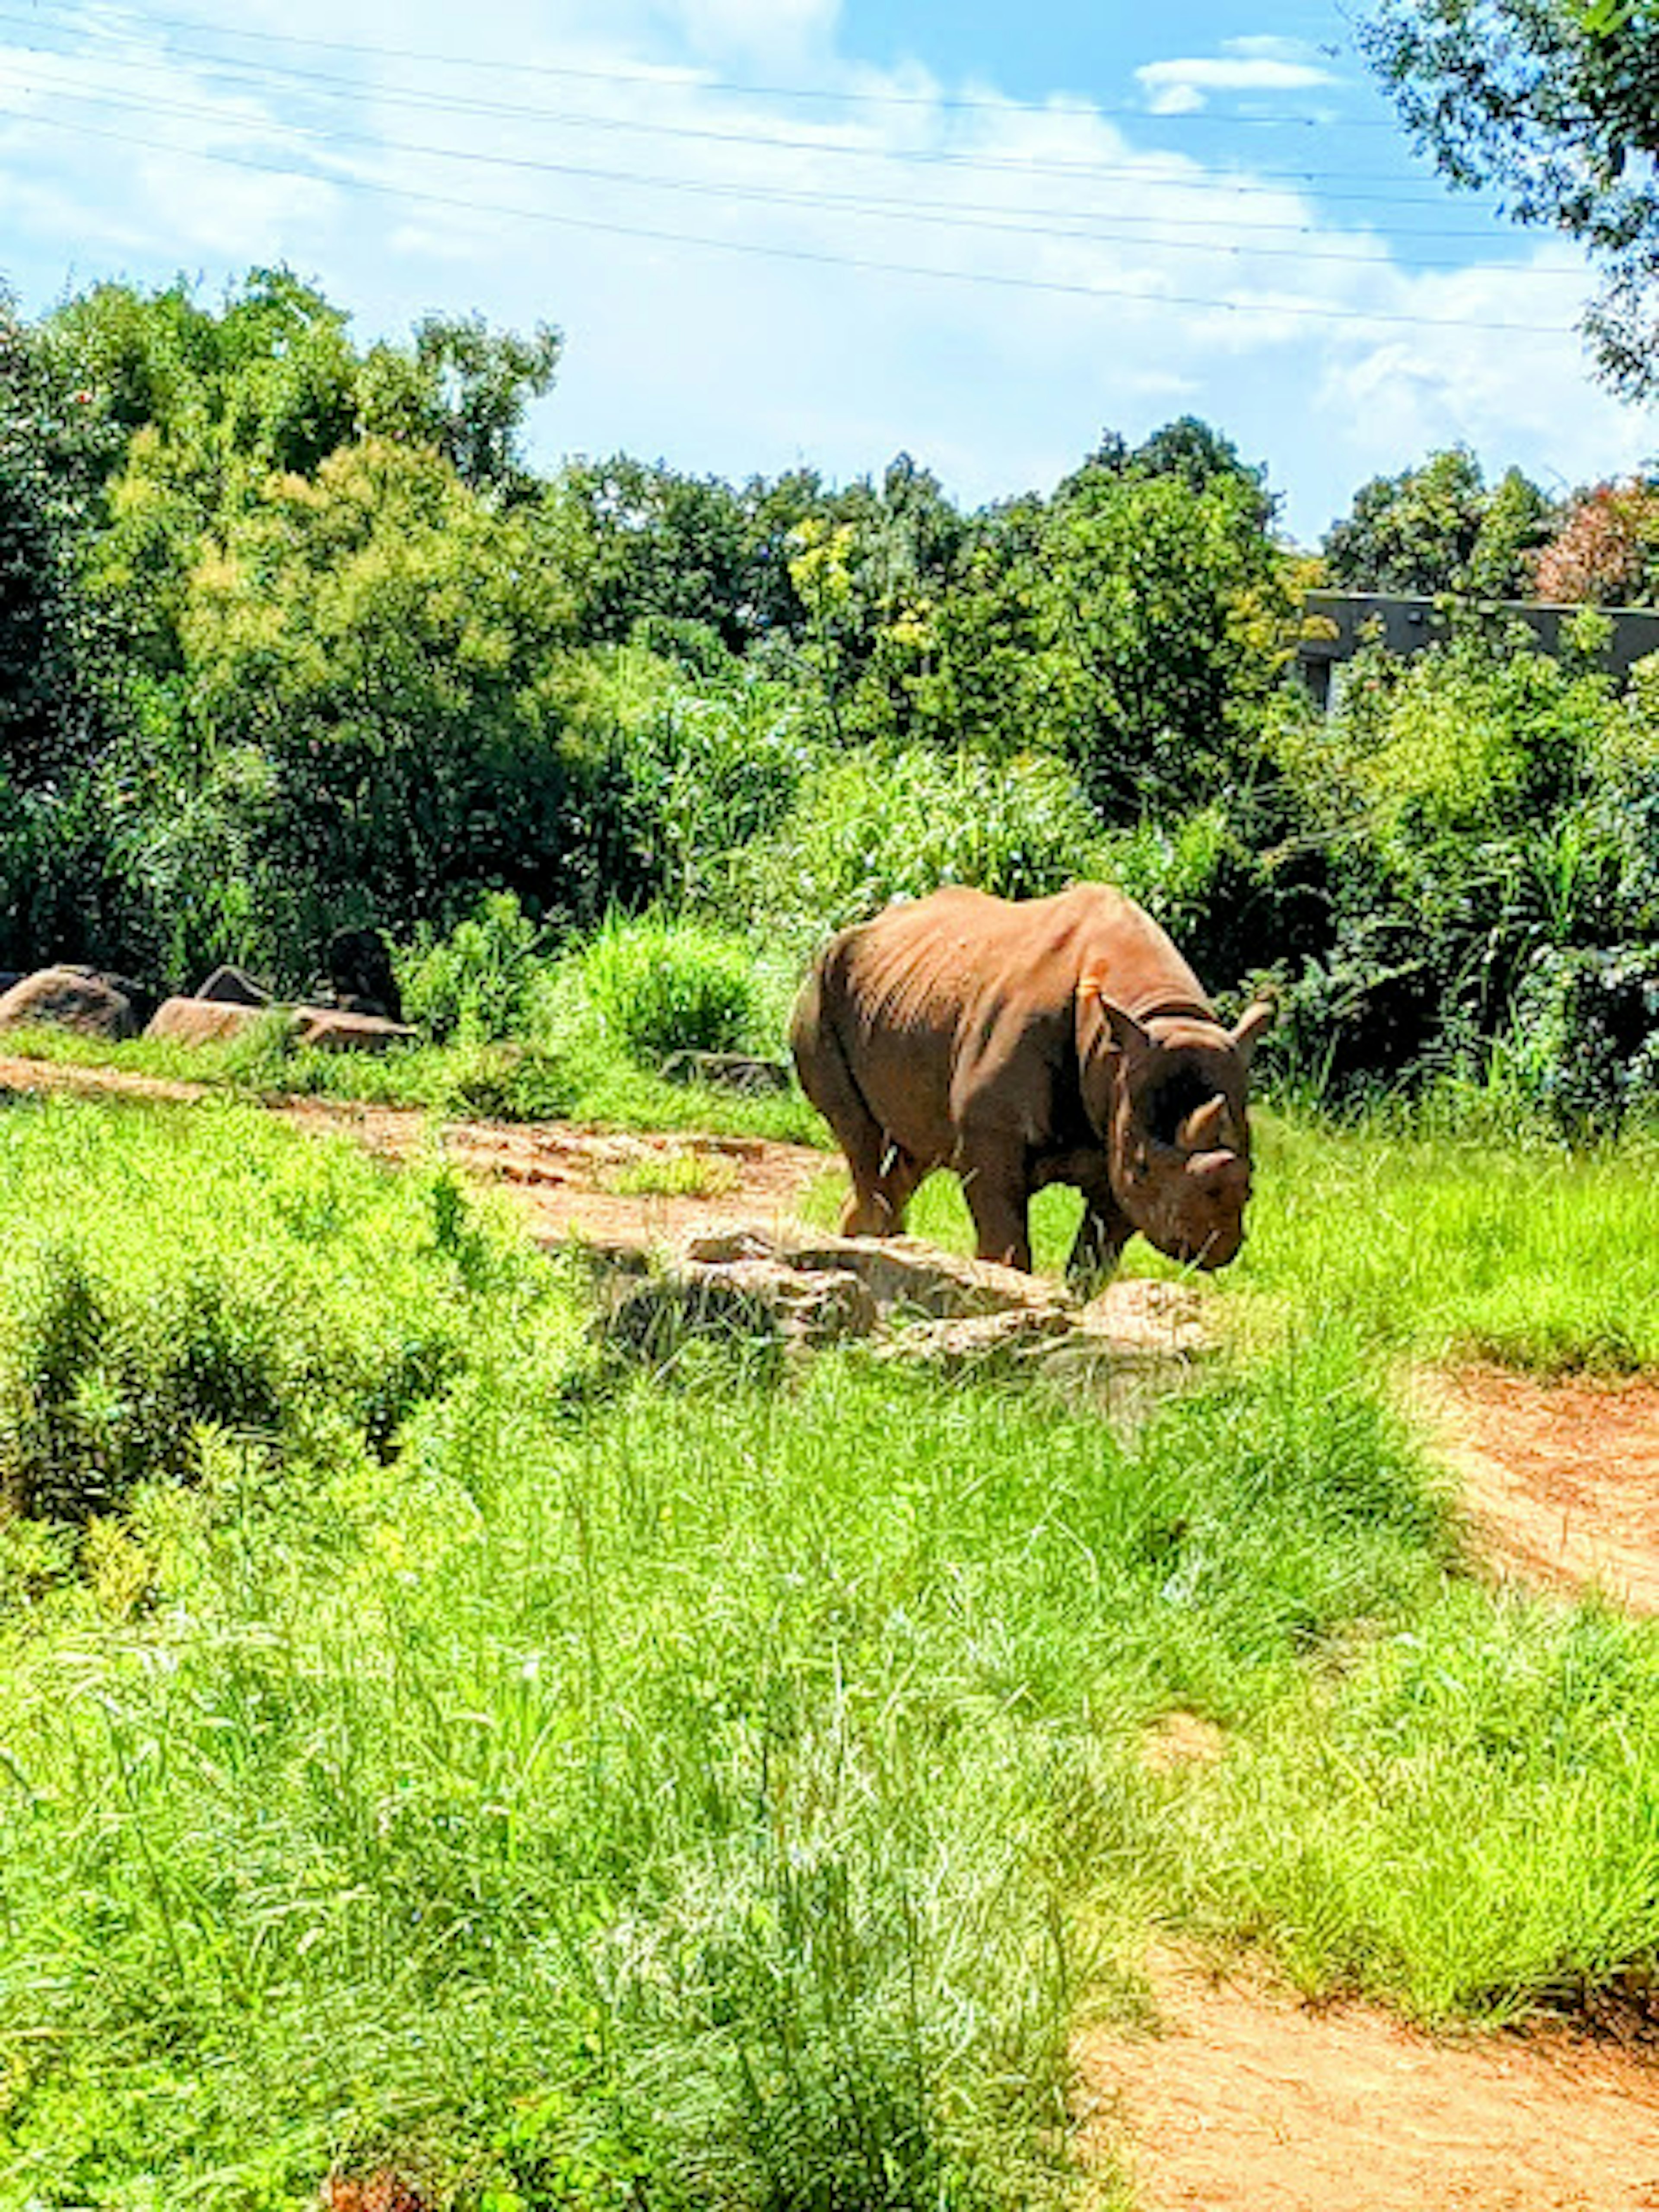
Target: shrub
[
  {"x": 1585, "y": 1044},
  {"x": 663, "y": 986},
  {"x": 476, "y": 984},
  {"x": 884, "y": 822}
]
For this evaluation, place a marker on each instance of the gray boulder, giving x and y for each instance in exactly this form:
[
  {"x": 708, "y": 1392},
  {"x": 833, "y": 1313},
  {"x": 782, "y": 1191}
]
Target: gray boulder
[{"x": 70, "y": 999}]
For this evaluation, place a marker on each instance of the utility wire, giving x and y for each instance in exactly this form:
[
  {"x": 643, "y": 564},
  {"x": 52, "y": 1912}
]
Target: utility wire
[
  {"x": 1259, "y": 182},
  {"x": 693, "y": 79},
  {"x": 978, "y": 219},
  {"x": 1302, "y": 310}
]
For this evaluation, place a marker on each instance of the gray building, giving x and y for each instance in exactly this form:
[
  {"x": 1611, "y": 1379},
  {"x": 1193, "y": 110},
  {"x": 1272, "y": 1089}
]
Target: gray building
[{"x": 1336, "y": 624}]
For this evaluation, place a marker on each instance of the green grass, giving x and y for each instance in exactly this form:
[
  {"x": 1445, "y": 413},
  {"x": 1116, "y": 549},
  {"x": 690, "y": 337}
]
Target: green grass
[
  {"x": 583, "y": 1078},
  {"x": 1529, "y": 1256},
  {"x": 427, "y": 1743}
]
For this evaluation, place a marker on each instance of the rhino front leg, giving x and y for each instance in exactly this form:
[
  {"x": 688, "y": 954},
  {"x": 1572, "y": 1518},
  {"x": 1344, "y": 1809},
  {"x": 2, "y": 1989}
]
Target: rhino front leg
[
  {"x": 996, "y": 1183},
  {"x": 1103, "y": 1231}
]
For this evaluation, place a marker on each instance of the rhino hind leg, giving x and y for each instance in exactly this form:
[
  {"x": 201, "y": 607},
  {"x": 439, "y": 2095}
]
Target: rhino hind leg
[{"x": 884, "y": 1176}]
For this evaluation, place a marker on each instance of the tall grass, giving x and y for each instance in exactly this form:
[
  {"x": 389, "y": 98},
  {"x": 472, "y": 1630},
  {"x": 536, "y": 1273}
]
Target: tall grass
[{"x": 574, "y": 1791}]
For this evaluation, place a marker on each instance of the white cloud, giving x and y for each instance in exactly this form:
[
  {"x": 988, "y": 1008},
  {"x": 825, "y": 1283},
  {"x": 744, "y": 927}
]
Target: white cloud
[
  {"x": 1182, "y": 88},
  {"x": 523, "y": 190}
]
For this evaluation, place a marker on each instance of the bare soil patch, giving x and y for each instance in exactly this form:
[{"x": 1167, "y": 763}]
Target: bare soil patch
[
  {"x": 1561, "y": 1479},
  {"x": 1245, "y": 2100},
  {"x": 556, "y": 1174}
]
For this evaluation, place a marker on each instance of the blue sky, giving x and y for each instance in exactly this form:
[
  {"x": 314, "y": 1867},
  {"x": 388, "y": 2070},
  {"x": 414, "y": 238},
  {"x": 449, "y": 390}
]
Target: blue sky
[{"x": 777, "y": 232}]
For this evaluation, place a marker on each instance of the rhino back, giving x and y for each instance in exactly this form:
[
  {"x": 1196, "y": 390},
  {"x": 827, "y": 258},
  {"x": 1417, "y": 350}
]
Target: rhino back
[{"x": 938, "y": 1005}]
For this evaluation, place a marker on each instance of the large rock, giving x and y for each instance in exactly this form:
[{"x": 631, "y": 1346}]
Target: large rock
[
  {"x": 327, "y": 1029},
  {"x": 70, "y": 999},
  {"x": 743, "y": 1301},
  {"x": 903, "y": 1272},
  {"x": 203, "y": 1021},
  {"x": 912, "y": 1302}
]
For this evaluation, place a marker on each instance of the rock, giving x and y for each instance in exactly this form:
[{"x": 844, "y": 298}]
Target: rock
[
  {"x": 203, "y": 1021},
  {"x": 328, "y": 1028},
  {"x": 230, "y": 986},
  {"x": 756, "y": 1300},
  {"x": 900, "y": 1271},
  {"x": 728, "y": 1071},
  {"x": 70, "y": 999}
]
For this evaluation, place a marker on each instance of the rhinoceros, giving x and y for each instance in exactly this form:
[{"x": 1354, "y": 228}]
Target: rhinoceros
[{"x": 1027, "y": 1042}]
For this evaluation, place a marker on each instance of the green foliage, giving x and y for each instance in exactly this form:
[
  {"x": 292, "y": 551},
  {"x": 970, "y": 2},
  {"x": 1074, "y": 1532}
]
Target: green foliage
[
  {"x": 125, "y": 1346},
  {"x": 701, "y": 765},
  {"x": 478, "y": 985},
  {"x": 1146, "y": 605},
  {"x": 1439, "y": 528},
  {"x": 662, "y": 985},
  {"x": 1544, "y": 102},
  {"x": 881, "y": 823}
]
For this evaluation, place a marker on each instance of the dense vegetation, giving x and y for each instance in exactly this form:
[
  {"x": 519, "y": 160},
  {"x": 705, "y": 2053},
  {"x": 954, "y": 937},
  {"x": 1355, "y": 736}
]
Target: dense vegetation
[
  {"x": 435, "y": 1746},
  {"x": 431, "y": 1746},
  {"x": 292, "y": 638}
]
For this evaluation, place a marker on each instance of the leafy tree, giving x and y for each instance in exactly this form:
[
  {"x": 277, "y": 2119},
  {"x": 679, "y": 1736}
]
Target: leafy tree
[
  {"x": 49, "y": 721},
  {"x": 1605, "y": 551},
  {"x": 1554, "y": 105},
  {"x": 1438, "y": 528},
  {"x": 383, "y": 637},
  {"x": 1147, "y": 596}
]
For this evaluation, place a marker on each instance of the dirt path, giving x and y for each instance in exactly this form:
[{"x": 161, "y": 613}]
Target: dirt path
[
  {"x": 1246, "y": 2101},
  {"x": 563, "y": 1178},
  {"x": 1561, "y": 1479}
]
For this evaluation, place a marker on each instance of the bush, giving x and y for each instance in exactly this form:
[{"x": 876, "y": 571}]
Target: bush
[
  {"x": 663, "y": 986},
  {"x": 476, "y": 984},
  {"x": 886, "y": 823},
  {"x": 1585, "y": 1044}
]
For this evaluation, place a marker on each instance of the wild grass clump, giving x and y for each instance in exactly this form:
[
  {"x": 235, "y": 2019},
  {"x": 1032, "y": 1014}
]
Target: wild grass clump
[
  {"x": 662, "y": 985},
  {"x": 1465, "y": 1827},
  {"x": 478, "y": 985},
  {"x": 131, "y": 1329}
]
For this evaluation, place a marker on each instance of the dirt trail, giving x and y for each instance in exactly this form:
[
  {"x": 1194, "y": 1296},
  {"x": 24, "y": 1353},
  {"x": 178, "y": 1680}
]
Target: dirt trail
[
  {"x": 1249, "y": 2102},
  {"x": 1561, "y": 1479},
  {"x": 1246, "y": 2101},
  {"x": 559, "y": 1177}
]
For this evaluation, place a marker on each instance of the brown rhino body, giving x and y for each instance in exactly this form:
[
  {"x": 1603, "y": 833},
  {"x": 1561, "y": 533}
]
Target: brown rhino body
[{"x": 1057, "y": 1040}]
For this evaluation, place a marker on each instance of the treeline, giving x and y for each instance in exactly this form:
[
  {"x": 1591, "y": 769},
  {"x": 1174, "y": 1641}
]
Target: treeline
[{"x": 292, "y": 638}]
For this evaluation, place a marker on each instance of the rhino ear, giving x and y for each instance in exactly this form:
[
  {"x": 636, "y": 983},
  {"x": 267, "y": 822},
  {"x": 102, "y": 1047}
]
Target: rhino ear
[
  {"x": 1257, "y": 1020},
  {"x": 1127, "y": 1033}
]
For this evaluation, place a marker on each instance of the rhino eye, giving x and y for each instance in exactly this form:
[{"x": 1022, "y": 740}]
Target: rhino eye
[{"x": 1167, "y": 1103}]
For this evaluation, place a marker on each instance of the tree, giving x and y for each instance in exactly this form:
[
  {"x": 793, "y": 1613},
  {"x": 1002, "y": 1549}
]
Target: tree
[
  {"x": 1553, "y": 105},
  {"x": 1607, "y": 549},
  {"x": 1147, "y": 598},
  {"x": 48, "y": 717},
  {"x": 1438, "y": 528}
]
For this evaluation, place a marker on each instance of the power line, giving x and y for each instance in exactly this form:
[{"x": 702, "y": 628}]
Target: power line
[
  {"x": 1300, "y": 309},
  {"x": 953, "y": 103},
  {"x": 1259, "y": 183},
  {"x": 978, "y": 219}
]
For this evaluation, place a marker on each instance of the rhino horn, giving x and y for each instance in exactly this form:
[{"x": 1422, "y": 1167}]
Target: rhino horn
[
  {"x": 1255, "y": 1021},
  {"x": 1205, "y": 1129}
]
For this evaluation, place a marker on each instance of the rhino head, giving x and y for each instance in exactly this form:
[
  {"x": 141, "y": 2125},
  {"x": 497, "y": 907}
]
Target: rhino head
[{"x": 1166, "y": 1093}]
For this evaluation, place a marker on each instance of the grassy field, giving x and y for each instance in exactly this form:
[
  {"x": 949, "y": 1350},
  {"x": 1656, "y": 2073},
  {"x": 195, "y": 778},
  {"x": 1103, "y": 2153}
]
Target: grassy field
[{"x": 425, "y": 1743}]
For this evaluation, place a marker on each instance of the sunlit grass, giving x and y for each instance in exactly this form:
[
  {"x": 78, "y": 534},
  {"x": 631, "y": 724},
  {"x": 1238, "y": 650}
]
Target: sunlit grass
[{"x": 575, "y": 1785}]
